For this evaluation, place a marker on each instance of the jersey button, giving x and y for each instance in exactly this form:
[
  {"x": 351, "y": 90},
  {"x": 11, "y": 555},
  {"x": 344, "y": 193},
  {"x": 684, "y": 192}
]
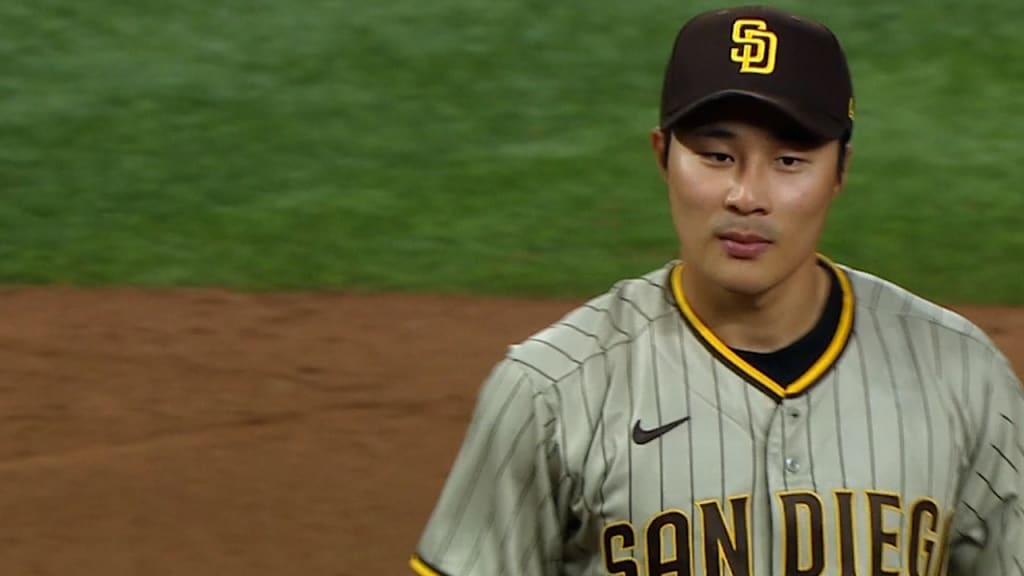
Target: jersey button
[
  {"x": 792, "y": 465},
  {"x": 794, "y": 413}
]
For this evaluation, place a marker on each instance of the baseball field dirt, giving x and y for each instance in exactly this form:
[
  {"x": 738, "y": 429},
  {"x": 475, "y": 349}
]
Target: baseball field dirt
[{"x": 205, "y": 432}]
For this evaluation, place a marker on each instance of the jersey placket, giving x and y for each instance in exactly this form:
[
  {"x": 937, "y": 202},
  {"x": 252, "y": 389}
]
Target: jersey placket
[{"x": 791, "y": 486}]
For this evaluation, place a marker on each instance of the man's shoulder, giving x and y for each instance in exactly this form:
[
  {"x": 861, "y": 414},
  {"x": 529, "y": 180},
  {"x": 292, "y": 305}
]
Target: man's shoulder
[
  {"x": 883, "y": 299},
  {"x": 596, "y": 327}
]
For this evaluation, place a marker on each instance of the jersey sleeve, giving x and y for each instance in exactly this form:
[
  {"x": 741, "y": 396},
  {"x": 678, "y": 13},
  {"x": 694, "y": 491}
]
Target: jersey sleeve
[
  {"x": 501, "y": 510},
  {"x": 988, "y": 528}
]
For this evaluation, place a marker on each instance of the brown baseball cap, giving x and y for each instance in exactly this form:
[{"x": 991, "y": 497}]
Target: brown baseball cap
[{"x": 791, "y": 62}]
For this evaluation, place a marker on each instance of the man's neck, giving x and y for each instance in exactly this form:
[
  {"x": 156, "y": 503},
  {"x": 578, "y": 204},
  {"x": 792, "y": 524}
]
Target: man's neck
[{"x": 764, "y": 322}]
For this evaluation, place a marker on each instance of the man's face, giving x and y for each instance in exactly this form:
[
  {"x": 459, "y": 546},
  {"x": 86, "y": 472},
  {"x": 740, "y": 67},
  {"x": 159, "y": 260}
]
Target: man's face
[{"x": 749, "y": 193}]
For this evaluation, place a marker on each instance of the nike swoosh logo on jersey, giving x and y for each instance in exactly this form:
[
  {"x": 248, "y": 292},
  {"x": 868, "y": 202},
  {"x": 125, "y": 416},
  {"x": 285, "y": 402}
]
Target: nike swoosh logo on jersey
[{"x": 641, "y": 436}]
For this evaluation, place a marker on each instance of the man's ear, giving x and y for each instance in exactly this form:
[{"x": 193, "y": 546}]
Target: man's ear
[
  {"x": 844, "y": 170},
  {"x": 659, "y": 145}
]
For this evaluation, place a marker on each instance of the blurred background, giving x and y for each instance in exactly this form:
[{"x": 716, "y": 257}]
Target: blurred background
[
  {"x": 456, "y": 145},
  {"x": 219, "y": 221}
]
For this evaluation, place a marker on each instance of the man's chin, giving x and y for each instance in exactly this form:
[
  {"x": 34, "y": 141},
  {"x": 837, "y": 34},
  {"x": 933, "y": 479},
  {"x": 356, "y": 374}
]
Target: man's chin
[
  {"x": 743, "y": 278},
  {"x": 746, "y": 287}
]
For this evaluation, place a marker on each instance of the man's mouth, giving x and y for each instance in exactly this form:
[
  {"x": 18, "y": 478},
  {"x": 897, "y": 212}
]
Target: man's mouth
[{"x": 744, "y": 245}]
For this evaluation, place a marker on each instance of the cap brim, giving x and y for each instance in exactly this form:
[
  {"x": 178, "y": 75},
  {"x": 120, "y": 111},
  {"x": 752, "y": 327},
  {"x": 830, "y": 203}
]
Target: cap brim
[{"x": 817, "y": 125}]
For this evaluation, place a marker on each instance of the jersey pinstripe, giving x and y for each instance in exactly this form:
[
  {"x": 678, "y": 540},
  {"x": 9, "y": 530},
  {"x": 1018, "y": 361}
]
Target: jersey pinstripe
[{"x": 898, "y": 452}]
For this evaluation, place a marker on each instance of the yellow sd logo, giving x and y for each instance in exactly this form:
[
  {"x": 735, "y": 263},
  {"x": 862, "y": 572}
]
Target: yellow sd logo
[{"x": 756, "y": 48}]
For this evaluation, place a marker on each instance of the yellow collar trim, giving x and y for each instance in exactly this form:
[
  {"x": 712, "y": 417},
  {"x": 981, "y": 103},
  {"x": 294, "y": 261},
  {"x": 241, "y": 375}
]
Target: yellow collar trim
[
  {"x": 820, "y": 366},
  {"x": 421, "y": 568}
]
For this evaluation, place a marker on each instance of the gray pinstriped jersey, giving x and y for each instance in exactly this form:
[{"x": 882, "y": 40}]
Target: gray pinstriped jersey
[{"x": 899, "y": 452}]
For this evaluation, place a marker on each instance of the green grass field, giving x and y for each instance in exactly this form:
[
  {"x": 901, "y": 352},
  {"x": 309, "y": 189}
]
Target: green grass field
[{"x": 456, "y": 145}]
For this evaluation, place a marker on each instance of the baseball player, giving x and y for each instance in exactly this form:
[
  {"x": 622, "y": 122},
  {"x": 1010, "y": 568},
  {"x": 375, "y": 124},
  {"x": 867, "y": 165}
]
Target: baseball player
[{"x": 752, "y": 408}]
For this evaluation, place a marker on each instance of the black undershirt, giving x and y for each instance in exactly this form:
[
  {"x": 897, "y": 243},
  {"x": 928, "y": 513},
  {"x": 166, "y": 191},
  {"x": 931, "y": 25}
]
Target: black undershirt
[{"x": 787, "y": 364}]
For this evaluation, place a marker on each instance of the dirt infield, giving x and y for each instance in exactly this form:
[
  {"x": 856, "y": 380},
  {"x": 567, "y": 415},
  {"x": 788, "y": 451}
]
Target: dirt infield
[{"x": 204, "y": 432}]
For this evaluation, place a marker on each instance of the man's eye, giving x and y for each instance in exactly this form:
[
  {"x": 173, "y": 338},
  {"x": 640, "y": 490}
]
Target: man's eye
[
  {"x": 717, "y": 157},
  {"x": 790, "y": 161}
]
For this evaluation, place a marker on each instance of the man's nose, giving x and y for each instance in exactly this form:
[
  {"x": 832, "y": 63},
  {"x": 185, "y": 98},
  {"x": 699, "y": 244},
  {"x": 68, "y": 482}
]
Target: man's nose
[{"x": 748, "y": 192}]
